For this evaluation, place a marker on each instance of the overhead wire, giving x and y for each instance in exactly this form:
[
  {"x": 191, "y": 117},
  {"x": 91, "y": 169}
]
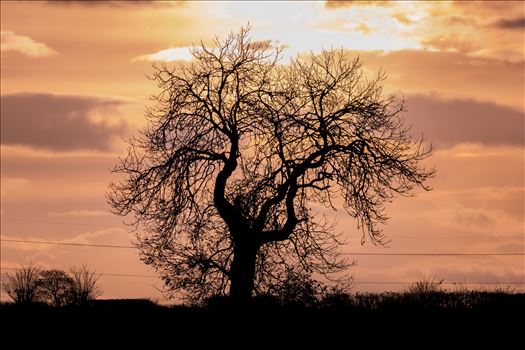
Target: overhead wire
[
  {"x": 355, "y": 282},
  {"x": 344, "y": 253},
  {"x": 356, "y": 237}
]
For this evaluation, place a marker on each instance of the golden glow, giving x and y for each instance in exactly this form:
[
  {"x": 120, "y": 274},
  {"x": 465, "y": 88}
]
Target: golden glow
[{"x": 463, "y": 55}]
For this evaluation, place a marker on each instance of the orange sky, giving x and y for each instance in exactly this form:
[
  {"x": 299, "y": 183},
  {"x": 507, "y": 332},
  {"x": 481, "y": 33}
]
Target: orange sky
[{"x": 73, "y": 84}]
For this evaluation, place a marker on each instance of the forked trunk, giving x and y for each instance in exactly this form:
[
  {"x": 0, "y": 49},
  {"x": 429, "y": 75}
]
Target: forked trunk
[{"x": 242, "y": 273}]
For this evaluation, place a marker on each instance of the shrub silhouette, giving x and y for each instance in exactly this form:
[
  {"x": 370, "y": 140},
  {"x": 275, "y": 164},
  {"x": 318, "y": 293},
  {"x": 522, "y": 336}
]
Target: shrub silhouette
[
  {"x": 84, "y": 287},
  {"x": 425, "y": 286},
  {"x": 55, "y": 287},
  {"x": 23, "y": 285},
  {"x": 300, "y": 289},
  {"x": 30, "y": 284}
]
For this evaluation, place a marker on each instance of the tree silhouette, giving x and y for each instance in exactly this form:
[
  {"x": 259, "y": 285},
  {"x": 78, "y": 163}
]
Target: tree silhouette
[
  {"x": 55, "y": 287},
  {"x": 228, "y": 182},
  {"x": 23, "y": 285},
  {"x": 85, "y": 285}
]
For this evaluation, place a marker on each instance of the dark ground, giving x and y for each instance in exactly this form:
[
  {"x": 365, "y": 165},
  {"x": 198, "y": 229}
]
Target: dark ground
[{"x": 428, "y": 321}]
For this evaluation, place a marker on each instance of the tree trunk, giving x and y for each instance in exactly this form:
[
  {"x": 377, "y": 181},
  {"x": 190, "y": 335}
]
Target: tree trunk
[{"x": 242, "y": 273}]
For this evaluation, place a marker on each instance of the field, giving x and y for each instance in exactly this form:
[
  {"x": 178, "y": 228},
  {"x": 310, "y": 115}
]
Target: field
[{"x": 437, "y": 318}]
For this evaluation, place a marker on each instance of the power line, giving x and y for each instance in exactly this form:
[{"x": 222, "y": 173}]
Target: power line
[
  {"x": 447, "y": 283},
  {"x": 356, "y": 237},
  {"x": 437, "y": 254},
  {"x": 101, "y": 274},
  {"x": 355, "y": 282},
  {"x": 53, "y": 222},
  {"x": 346, "y": 253},
  {"x": 69, "y": 244}
]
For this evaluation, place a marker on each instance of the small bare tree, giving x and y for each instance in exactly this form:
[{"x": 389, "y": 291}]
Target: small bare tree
[
  {"x": 242, "y": 154},
  {"x": 23, "y": 285},
  {"x": 85, "y": 285},
  {"x": 55, "y": 287}
]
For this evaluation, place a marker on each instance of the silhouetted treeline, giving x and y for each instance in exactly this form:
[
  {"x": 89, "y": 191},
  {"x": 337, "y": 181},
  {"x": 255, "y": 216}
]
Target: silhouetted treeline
[
  {"x": 440, "y": 317},
  {"x": 30, "y": 284}
]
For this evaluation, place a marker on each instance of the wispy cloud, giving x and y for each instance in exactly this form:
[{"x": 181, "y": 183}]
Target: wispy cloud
[
  {"x": 25, "y": 45},
  {"x": 450, "y": 26},
  {"x": 80, "y": 213},
  {"x": 168, "y": 55},
  {"x": 334, "y": 4},
  {"x": 12, "y": 184},
  {"x": 117, "y": 3},
  {"x": 107, "y": 236}
]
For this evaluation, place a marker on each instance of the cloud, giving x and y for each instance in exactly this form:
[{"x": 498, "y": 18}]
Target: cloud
[
  {"x": 495, "y": 172},
  {"x": 334, "y": 4},
  {"x": 64, "y": 182},
  {"x": 403, "y": 18},
  {"x": 58, "y": 122},
  {"x": 347, "y": 26},
  {"x": 113, "y": 236},
  {"x": 489, "y": 10},
  {"x": 12, "y": 184},
  {"x": 119, "y": 3},
  {"x": 475, "y": 220},
  {"x": 168, "y": 55},
  {"x": 514, "y": 23},
  {"x": 453, "y": 121},
  {"x": 453, "y": 74},
  {"x": 261, "y": 44},
  {"x": 490, "y": 270},
  {"x": 458, "y": 26},
  {"x": 465, "y": 26},
  {"x": 25, "y": 45},
  {"x": 107, "y": 236},
  {"x": 80, "y": 213},
  {"x": 453, "y": 42},
  {"x": 475, "y": 207}
]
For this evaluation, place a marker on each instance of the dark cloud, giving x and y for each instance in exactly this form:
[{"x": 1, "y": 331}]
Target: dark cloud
[
  {"x": 57, "y": 122},
  {"x": 449, "y": 122},
  {"x": 261, "y": 44},
  {"x": 515, "y": 23}
]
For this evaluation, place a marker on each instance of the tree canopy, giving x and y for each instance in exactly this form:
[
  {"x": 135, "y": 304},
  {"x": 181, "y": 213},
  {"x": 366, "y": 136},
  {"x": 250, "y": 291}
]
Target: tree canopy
[{"x": 242, "y": 154}]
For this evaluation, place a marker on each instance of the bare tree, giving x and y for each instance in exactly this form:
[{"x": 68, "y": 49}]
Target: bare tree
[
  {"x": 55, "y": 287},
  {"x": 85, "y": 285},
  {"x": 23, "y": 286},
  {"x": 228, "y": 182}
]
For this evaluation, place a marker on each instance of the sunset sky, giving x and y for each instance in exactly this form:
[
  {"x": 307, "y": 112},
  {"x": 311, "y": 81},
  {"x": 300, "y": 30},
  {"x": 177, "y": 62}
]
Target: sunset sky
[{"x": 73, "y": 86}]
